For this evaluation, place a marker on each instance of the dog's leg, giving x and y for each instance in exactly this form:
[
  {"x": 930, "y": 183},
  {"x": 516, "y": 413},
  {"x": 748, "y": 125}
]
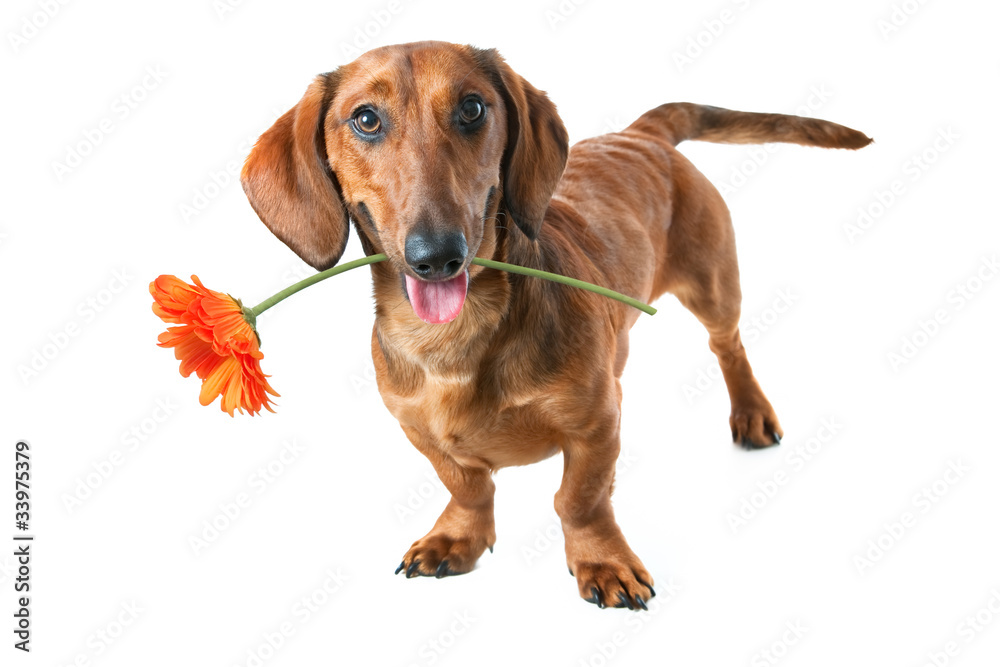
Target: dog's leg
[
  {"x": 607, "y": 571},
  {"x": 752, "y": 419},
  {"x": 705, "y": 277},
  {"x": 465, "y": 528}
]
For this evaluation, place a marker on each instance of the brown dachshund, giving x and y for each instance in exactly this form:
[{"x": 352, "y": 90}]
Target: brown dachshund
[{"x": 434, "y": 150}]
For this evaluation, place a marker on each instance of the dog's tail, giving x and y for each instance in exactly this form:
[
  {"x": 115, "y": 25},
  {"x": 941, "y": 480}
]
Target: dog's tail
[{"x": 683, "y": 121}]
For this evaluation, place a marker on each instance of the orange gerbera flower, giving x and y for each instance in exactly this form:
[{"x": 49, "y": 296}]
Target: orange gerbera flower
[{"x": 215, "y": 340}]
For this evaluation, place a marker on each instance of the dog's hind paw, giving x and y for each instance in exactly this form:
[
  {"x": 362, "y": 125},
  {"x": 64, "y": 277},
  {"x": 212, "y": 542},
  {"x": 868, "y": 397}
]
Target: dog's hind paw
[{"x": 756, "y": 427}]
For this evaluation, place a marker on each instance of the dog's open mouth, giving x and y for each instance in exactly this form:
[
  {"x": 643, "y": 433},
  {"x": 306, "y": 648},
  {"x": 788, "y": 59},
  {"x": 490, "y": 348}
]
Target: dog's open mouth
[{"x": 438, "y": 302}]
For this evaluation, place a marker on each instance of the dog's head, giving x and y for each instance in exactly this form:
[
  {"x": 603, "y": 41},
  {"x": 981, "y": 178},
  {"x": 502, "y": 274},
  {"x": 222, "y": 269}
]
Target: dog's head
[{"x": 428, "y": 147}]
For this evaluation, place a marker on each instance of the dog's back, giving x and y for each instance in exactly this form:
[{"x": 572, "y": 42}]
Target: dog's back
[{"x": 638, "y": 170}]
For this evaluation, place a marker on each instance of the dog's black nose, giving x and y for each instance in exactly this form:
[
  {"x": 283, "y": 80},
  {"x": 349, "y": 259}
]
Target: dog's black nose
[{"x": 435, "y": 255}]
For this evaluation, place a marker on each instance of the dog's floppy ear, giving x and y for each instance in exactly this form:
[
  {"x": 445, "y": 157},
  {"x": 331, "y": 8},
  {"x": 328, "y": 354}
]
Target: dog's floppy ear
[
  {"x": 290, "y": 185},
  {"x": 537, "y": 144}
]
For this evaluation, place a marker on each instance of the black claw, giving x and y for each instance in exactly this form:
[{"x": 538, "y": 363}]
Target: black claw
[
  {"x": 777, "y": 439},
  {"x": 640, "y": 603},
  {"x": 595, "y": 597},
  {"x": 442, "y": 570},
  {"x": 570, "y": 571},
  {"x": 410, "y": 571},
  {"x": 623, "y": 601},
  {"x": 491, "y": 548},
  {"x": 401, "y": 566},
  {"x": 652, "y": 593}
]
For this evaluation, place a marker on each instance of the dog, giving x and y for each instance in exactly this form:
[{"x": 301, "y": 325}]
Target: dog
[{"x": 440, "y": 153}]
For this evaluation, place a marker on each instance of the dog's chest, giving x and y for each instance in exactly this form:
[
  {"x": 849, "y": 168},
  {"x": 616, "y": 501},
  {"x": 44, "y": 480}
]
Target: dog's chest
[{"x": 453, "y": 414}]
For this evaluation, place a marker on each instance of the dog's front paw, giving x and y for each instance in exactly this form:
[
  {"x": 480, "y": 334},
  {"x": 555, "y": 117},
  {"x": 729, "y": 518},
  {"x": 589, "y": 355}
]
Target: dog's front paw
[
  {"x": 613, "y": 580},
  {"x": 439, "y": 555}
]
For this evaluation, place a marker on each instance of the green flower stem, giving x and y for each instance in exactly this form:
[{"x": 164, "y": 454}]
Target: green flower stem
[
  {"x": 572, "y": 282},
  {"x": 488, "y": 263},
  {"x": 311, "y": 280}
]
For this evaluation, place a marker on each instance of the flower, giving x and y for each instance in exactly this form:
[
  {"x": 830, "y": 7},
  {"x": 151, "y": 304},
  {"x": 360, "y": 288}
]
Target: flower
[{"x": 215, "y": 339}]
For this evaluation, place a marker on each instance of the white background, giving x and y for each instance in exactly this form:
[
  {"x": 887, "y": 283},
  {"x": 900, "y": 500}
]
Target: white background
[{"x": 357, "y": 494}]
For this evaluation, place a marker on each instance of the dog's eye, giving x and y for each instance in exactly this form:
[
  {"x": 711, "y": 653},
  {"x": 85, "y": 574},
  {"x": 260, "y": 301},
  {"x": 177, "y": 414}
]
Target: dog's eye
[
  {"x": 471, "y": 111},
  {"x": 367, "y": 121}
]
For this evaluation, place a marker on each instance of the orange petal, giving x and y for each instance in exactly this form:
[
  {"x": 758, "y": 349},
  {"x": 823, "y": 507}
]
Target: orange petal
[{"x": 214, "y": 341}]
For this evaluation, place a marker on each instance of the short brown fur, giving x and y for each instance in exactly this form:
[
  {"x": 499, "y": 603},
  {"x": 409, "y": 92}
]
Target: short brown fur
[{"x": 528, "y": 368}]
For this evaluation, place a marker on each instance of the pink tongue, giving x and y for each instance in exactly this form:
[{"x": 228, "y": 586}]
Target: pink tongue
[{"x": 439, "y": 302}]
